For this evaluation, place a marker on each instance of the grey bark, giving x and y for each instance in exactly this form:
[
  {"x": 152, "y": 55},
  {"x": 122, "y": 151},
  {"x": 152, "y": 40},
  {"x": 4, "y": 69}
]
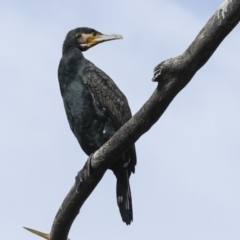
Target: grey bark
[{"x": 172, "y": 76}]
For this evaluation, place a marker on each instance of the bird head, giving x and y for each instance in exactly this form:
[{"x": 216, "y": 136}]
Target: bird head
[{"x": 85, "y": 38}]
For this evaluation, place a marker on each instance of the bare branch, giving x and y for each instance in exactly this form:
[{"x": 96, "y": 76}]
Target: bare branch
[{"x": 172, "y": 76}]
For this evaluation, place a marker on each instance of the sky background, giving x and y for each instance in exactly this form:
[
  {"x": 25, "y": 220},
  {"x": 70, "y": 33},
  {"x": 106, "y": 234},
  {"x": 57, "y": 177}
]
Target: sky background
[{"x": 187, "y": 181}]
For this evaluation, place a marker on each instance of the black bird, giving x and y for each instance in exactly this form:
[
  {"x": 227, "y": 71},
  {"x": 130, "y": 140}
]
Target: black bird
[{"x": 95, "y": 107}]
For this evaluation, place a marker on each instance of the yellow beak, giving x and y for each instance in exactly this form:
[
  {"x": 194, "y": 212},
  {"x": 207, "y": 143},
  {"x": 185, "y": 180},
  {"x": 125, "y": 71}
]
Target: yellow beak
[{"x": 99, "y": 38}]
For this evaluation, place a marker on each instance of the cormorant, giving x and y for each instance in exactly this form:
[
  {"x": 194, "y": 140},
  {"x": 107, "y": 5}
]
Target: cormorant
[{"x": 95, "y": 107}]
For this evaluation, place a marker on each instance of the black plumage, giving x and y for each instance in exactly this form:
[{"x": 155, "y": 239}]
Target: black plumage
[{"x": 95, "y": 107}]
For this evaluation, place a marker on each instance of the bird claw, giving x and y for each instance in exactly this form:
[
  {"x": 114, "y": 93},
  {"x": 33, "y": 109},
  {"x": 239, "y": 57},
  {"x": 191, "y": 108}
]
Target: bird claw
[{"x": 86, "y": 171}]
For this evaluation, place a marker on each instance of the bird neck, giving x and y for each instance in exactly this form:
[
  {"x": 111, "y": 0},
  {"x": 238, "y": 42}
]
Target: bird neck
[
  {"x": 69, "y": 47},
  {"x": 72, "y": 56}
]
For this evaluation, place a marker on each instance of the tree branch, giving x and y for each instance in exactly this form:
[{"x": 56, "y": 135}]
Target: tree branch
[{"x": 172, "y": 76}]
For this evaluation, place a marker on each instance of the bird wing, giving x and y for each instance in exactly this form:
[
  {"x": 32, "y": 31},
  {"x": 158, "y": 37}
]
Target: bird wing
[{"x": 106, "y": 95}]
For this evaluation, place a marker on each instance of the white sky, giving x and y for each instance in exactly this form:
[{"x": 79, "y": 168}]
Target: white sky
[{"x": 187, "y": 181}]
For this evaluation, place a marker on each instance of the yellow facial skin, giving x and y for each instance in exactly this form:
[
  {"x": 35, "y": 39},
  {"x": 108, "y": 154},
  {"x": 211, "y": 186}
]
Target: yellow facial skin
[{"x": 92, "y": 39}]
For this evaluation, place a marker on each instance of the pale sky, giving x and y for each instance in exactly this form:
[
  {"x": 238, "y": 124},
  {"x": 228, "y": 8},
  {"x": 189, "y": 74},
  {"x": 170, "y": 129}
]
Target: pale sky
[{"x": 187, "y": 181}]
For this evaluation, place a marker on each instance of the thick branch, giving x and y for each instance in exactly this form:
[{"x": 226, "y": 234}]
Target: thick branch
[{"x": 172, "y": 76}]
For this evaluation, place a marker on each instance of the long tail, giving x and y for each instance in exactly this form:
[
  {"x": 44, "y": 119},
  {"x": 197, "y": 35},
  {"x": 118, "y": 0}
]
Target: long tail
[{"x": 124, "y": 198}]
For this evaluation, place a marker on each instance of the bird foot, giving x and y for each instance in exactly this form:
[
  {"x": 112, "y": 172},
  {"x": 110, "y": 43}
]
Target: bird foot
[{"x": 86, "y": 171}]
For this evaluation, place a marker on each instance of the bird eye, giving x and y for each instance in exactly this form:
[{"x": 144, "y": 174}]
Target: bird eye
[{"x": 94, "y": 34}]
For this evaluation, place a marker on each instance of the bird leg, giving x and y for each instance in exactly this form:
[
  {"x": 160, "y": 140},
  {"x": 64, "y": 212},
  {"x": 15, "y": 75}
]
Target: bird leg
[{"x": 86, "y": 171}]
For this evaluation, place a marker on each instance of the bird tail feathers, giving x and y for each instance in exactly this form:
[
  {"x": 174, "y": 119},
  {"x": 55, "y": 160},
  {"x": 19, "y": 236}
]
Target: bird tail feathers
[{"x": 124, "y": 198}]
